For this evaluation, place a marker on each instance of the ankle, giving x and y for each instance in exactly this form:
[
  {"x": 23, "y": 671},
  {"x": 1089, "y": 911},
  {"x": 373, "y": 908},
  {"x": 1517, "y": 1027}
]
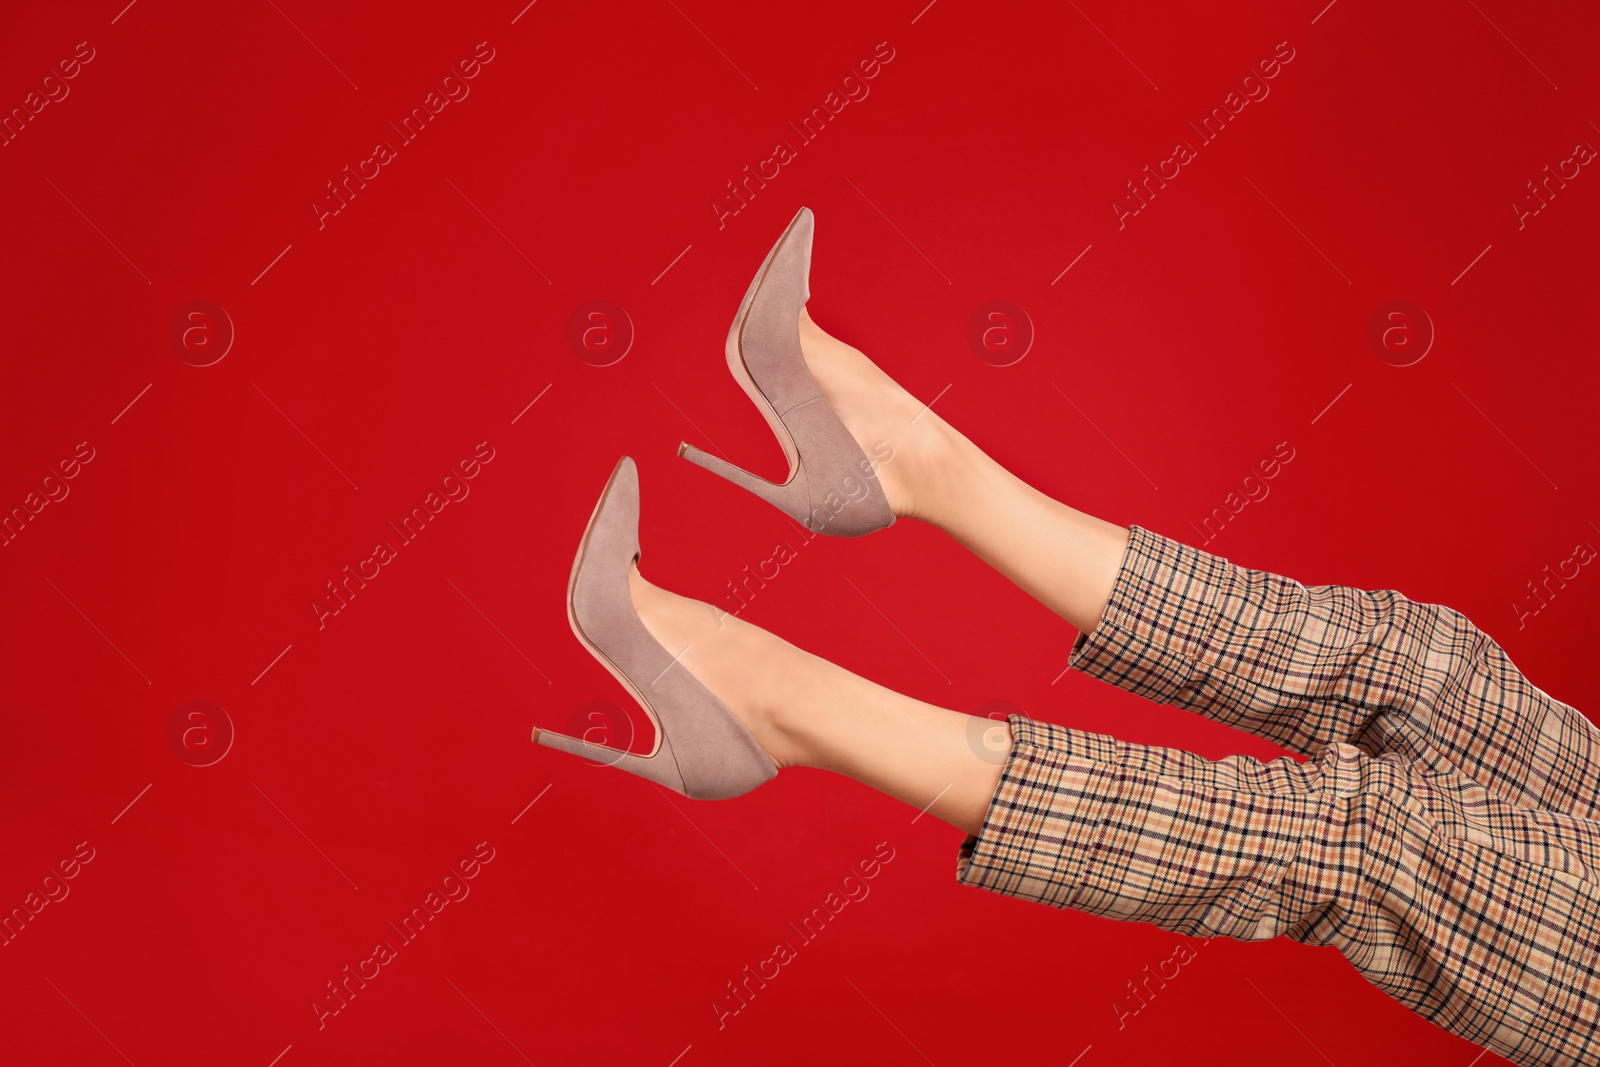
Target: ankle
[
  {"x": 801, "y": 716},
  {"x": 778, "y": 682},
  {"x": 945, "y": 474},
  {"x": 753, "y": 672}
]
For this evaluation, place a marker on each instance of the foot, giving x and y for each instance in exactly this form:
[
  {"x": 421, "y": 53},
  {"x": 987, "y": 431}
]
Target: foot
[
  {"x": 719, "y": 649},
  {"x": 874, "y": 408}
]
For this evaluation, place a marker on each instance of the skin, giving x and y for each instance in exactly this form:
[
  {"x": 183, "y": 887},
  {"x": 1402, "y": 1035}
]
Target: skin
[{"x": 807, "y": 712}]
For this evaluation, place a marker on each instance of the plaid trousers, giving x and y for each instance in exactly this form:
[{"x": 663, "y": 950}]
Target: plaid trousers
[{"x": 1440, "y": 834}]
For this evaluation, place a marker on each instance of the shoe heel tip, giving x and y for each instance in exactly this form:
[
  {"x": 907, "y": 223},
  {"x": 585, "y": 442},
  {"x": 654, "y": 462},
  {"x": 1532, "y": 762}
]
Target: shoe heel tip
[
  {"x": 683, "y": 446},
  {"x": 535, "y": 737}
]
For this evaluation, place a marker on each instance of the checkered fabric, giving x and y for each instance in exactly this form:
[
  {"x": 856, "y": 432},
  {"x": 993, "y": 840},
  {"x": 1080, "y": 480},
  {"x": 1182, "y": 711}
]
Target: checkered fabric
[{"x": 1441, "y": 833}]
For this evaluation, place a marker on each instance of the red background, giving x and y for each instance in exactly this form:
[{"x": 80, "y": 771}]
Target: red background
[{"x": 375, "y": 352}]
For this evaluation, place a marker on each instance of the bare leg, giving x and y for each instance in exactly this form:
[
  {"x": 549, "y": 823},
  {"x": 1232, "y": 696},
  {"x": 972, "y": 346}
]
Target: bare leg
[
  {"x": 1242, "y": 849},
  {"x": 1336, "y": 851},
  {"x": 808, "y": 712},
  {"x": 1062, "y": 557},
  {"x": 1301, "y": 666}
]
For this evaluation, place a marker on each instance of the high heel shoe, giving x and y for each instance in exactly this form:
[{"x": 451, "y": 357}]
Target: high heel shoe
[
  {"x": 701, "y": 750},
  {"x": 831, "y": 487}
]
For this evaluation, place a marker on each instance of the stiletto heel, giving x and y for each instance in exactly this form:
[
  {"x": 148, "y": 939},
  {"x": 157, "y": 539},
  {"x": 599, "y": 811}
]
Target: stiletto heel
[
  {"x": 655, "y": 769},
  {"x": 791, "y": 497},
  {"x": 832, "y": 486},
  {"x": 701, "y": 750}
]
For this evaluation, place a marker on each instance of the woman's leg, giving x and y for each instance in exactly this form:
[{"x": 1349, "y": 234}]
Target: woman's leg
[
  {"x": 1064, "y": 558},
  {"x": 806, "y": 711},
  {"x": 1475, "y": 913},
  {"x": 1302, "y": 666}
]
